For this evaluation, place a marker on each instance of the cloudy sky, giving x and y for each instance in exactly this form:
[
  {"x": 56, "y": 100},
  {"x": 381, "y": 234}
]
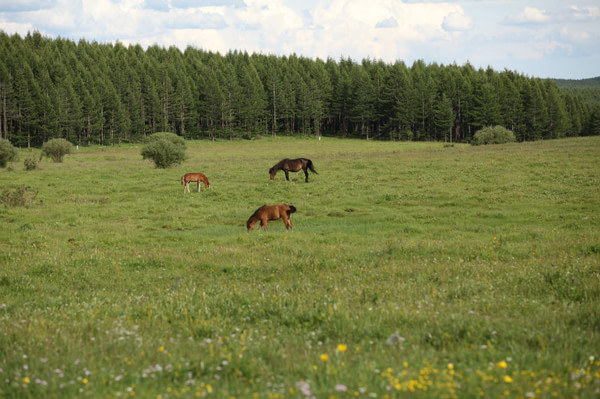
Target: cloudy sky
[{"x": 541, "y": 38}]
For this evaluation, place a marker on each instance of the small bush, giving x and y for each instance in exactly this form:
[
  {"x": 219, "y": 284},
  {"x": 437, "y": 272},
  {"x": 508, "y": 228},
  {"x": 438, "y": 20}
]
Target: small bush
[
  {"x": 17, "y": 196},
  {"x": 7, "y": 153},
  {"x": 165, "y": 149},
  {"x": 57, "y": 149},
  {"x": 31, "y": 164},
  {"x": 493, "y": 135}
]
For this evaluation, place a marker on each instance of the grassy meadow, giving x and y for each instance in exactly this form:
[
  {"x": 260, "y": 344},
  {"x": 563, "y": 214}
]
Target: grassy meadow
[{"x": 414, "y": 270}]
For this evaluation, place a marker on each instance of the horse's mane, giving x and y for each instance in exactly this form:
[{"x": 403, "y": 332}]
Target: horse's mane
[
  {"x": 279, "y": 164},
  {"x": 256, "y": 212}
]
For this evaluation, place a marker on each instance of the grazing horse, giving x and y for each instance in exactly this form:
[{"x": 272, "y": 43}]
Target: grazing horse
[
  {"x": 271, "y": 212},
  {"x": 197, "y": 177},
  {"x": 292, "y": 165}
]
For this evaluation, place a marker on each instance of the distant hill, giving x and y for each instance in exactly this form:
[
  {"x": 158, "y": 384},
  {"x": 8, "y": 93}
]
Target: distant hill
[
  {"x": 577, "y": 83},
  {"x": 587, "y": 89}
]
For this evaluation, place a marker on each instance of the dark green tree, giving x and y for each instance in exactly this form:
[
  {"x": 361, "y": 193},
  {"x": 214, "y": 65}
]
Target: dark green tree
[{"x": 443, "y": 117}]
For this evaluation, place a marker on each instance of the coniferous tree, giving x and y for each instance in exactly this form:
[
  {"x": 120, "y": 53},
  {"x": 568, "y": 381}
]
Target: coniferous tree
[
  {"x": 362, "y": 101},
  {"x": 425, "y": 93},
  {"x": 103, "y": 93},
  {"x": 443, "y": 117},
  {"x": 340, "y": 107},
  {"x": 485, "y": 110},
  {"x": 557, "y": 113},
  {"x": 575, "y": 114},
  {"x": 536, "y": 115},
  {"x": 594, "y": 121}
]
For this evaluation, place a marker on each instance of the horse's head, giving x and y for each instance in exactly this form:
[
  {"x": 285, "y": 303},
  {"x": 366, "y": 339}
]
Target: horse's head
[
  {"x": 272, "y": 172},
  {"x": 249, "y": 225}
]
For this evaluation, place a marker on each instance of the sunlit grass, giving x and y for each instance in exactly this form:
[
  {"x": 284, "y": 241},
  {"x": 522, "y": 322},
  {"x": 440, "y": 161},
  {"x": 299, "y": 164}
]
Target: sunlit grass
[{"x": 412, "y": 268}]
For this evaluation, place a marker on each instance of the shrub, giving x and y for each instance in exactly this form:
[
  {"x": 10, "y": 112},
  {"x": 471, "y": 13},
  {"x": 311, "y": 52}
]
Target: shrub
[
  {"x": 17, "y": 196},
  {"x": 31, "y": 163},
  {"x": 165, "y": 149},
  {"x": 493, "y": 135},
  {"x": 57, "y": 149},
  {"x": 7, "y": 153}
]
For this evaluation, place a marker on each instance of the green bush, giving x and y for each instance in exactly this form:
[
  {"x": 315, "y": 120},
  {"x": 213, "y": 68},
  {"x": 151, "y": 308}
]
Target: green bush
[
  {"x": 31, "y": 164},
  {"x": 12, "y": 197},
  {"x": 165, "y": 149},
  {"x": 493, "y": 135},
  {"x": 7, "y": 153},
  {"x": 57, "y": 149}
]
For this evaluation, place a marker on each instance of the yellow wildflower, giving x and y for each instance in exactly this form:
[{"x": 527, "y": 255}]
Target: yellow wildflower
[
  {"x": 342, "y": 348},
  {"x": 324, "y": 357}
]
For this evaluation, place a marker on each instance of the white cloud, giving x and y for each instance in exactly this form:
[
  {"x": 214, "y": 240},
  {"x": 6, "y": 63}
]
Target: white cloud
[
  {"x": 198, "y": 19},
  {"x": 267, "y": 26},
  {"x": 585, "y": 13},
  {"x": 117, "y": 20},
  {"x": 352, "y": 27},
  {"x": 206, "y": 3},
  {"x": 15, "y": 27},
  {"x": 387, "y": 23},
  {"x": 574, "y": 35},
  {"x": 23, "y": 5},
  {"x": 157, "y": 5},
  {"x": 203, "y": 39},
  {"x": 457, "y": 21},
  {"x": 529, "y": 15},
  {"x": 272, "y": 16},
  {"x": 500, "y": 33}
]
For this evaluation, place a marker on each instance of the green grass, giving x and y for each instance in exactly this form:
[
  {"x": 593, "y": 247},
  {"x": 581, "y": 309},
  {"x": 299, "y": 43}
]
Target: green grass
[{"x": 483, "y": 261}]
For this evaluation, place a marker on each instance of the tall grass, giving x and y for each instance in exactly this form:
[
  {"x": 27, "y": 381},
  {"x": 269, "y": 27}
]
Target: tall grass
[{"x": 445, "y": 272}]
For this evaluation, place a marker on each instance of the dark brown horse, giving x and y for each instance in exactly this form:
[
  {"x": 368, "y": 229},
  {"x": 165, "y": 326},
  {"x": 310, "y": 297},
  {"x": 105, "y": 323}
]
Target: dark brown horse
[
  {"x": 292, "y": 165},
  {"x": 197, "y": 177},
  {"x": 271, "y": 212}
]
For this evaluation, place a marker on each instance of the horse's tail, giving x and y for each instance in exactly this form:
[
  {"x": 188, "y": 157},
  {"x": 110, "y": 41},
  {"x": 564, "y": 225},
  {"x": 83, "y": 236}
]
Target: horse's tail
[
  {"x": 291, "y": 210},
  {"x": 310, "y": 166}
]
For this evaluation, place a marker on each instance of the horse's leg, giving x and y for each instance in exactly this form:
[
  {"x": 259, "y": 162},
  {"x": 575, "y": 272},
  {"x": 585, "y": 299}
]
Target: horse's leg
[
  {"x": 306, "y": 174},
  {"x": 287, "y": 175},
  {"x": 286, "y": 221},
  {"x": 198, "y": 186}
]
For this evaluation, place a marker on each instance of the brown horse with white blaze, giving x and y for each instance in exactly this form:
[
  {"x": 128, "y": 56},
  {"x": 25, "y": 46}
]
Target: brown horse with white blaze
[
  {"x": 197, "y": 177},
  {"x": 271, "y": 212},
  {"x": 292, "y": 165}
]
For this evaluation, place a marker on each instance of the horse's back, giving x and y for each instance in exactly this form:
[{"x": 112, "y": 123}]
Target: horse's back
[{"x": 194, "y": 176}]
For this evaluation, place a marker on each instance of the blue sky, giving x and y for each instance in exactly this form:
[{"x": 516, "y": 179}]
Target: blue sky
[{"x": 541, "y": 38}]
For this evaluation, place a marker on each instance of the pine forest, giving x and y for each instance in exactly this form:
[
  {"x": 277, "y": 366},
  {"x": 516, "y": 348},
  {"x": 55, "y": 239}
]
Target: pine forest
[{"x": 107, "y": 94}]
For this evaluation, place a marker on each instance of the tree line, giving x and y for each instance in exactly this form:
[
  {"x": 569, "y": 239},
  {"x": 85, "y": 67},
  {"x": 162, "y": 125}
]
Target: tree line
[{"x": 91, "y": 93}]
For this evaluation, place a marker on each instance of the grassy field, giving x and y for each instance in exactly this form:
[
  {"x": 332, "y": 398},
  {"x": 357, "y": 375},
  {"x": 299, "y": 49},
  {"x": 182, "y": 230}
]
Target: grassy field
[{"x": 414, "y": 269}]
